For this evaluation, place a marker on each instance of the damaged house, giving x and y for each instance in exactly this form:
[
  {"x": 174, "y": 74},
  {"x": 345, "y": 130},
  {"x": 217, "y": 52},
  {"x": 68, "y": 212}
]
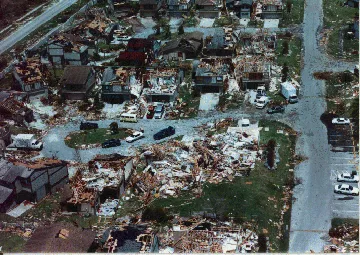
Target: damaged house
[
  {"x": 243, "y": 8},
  {"x": 68, "y": 49},
  {"x": 178, "y": 8},
  {"x": 30, "y": 180},
  {"x": 30, "y": 77},
  {"x": 220, "y": 44},
  {"x": 257, "y": 44},
  {"x": 187, "y": 47},
  {"x": 120, "y": 84},
  {"x": 161, "y": 85},
  {"x": 106, "y": 177},
  {"x": 77, "y": 82},
  {"x": 208, "y": 8},
  {"x": 254, "y": 74},
  {"x": 13, "y": 109},
  {"x": 102, "y": 29},
  {"x": 211, "y": 75},
  {"x": 149, "y": 8},
  {"x": 269, "y": 9},
  {"x": 139, "y": 52}
]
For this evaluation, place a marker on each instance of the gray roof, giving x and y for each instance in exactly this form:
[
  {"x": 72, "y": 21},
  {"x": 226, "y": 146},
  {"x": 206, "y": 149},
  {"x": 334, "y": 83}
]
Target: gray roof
[
  {"x": 217, "y": 41},
  {"x": 9, "y": 172},
  {"x": 76, "y": 75},
  {"x": 4, "y": 193}
]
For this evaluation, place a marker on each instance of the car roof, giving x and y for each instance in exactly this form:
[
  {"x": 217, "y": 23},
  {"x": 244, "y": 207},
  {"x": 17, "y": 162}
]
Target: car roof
[
  {"x": 136, "y": 133},
  {"x": 345, "y": 185},
  {"x": 346, "y": 174}
]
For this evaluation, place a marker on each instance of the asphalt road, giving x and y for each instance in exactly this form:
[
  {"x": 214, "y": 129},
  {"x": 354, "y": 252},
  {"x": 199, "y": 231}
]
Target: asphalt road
[
  {"x": 32, "y": 25},
  {"x": 312, "y": 210}
]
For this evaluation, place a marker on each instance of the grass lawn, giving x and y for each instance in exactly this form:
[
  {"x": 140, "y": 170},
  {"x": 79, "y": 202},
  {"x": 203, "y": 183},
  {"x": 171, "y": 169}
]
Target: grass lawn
[
  {"x": 339, "y": 92},
  {"x": 336, "y": 222},
  {"x": 192, "y": 102},
  {"x": 337, "y": 17},
  {"x": 256, "y": 23},
  {"x": 230, "y": 101},
  {"x": 247, "y": 198},
  {"x": 293, "y": 59},
  {"x": 96, "y": 136},
  {"x": 295, "y": 16},
  {"x": 223, "y": 21},
  {"x": 11, "y": 243}
]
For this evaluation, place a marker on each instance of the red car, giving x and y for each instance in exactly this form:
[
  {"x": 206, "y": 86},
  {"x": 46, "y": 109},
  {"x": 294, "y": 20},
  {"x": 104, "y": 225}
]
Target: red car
[{"x": 151, "y": 112}]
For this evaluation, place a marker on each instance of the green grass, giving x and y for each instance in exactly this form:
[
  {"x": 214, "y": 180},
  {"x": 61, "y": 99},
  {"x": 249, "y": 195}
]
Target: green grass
[
  {"x": 293, "y": 59},
  {"x": 11, "y": 243},
  {"x": 223, "y": 21},
  {"x": 339, "y": 89},
  {"x": 337, "y": 17},
  {"x": 295, "y": 16},
  {"x": 336, "y": 222},
  {"x": 256, "y": 23},
  {"x": 192, "y": 102},
  {"x": 242, "y": 200},
  {"x": 230, "y": 101},
  {"x": 81, "y": 221},
  {"x": 96, "y": 136}
]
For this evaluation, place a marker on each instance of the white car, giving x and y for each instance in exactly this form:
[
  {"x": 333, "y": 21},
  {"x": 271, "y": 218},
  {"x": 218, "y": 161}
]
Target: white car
[
  {"x": 135, "y": 136},
  {"x": 346, "y": 189},
  {"x": 347, "y": 177},
  {"x": 340, "y": 121},
  {"x": 262, "y": 102}
]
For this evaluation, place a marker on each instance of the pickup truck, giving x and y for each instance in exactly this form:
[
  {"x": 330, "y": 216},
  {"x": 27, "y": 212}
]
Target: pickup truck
[{"x": 25, "y": 142}]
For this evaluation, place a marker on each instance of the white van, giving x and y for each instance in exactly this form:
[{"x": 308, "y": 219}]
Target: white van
[
  {"x": 262, "y": 102},
  {"x": 128, "y": 117}
]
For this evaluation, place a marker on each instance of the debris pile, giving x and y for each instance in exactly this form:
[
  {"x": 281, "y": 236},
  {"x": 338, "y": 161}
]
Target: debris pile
[
  {"x": 344, "y": 239},
  {"x": 197, "y": 235},
  {"x": 185, "y": 165}
]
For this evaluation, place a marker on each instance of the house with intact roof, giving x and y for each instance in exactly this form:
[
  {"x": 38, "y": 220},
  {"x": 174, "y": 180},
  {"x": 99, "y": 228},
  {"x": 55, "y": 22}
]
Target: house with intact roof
[
  {"x": 77, "y": 82},
  {"x": 149, "y": 8},
  {"x": 208, "y": 8},
  {"x": 178, "y": 8}
]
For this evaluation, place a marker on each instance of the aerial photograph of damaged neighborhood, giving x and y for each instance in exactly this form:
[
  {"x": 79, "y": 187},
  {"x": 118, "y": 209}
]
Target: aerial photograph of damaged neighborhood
[{"x": 179, "y": 126}]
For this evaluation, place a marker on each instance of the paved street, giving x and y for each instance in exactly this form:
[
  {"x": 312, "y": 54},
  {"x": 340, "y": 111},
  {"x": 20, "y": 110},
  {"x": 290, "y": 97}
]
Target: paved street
[
  {"x": 312, "y": 209},
  {"x": 35, "y": 23}
]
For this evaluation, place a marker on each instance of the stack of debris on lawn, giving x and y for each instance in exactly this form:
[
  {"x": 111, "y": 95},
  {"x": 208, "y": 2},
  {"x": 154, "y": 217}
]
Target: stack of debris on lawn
[
  {"x": 344, "y": 239},
  {"x": 198, "y": 235},
  {"x": 176, "y": 166}
]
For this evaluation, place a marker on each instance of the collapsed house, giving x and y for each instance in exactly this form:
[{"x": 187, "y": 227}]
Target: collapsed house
[
  {"x": 91, "y": 188},
  {"x": 253, "y": 73},
  {"x": 269, "y": 9},
  {"x": 121, "y": 8},
  {"x": 208, "y": 8},
  {"x": 260, "y": 43},
  {"x": 61, "y": 237},
  {"x": 68, "y": 49},
  {"x": 120, "y": 84},
  {"x": 30, "y": 77},
  {"x": 13, "y": 109},
  {"x": 187, "y": 47},
  {"x": 220, "y": 44},
  {"x": 30, "y": 180},
  {"x": 187, "y": 164},
  {"x": 130, "y": 238},
  {"x": 102, "y": 29},
  {"x": 77, "y": 82},
  {"x": 196, "y": 235},
  {"x": 210, "y": 75},
  {"x": 161, "y": 85}
]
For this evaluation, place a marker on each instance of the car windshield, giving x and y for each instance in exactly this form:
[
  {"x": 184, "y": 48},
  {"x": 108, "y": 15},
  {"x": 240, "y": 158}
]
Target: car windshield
[
  {"x": 351, "y": 188},
  {"x": 134, "y": 135}
]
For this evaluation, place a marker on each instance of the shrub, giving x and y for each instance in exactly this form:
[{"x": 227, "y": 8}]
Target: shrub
[{"x": 155, "y": 214}]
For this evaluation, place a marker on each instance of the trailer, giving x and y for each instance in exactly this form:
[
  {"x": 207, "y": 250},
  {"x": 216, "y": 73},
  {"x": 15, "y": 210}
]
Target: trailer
[
  {"x": 289, "y": 92},
  {"x": 25, "y": 142}
]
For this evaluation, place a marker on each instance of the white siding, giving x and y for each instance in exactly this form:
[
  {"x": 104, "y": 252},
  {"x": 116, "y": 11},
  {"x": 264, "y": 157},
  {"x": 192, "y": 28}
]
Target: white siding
[{"x": 40, "y": 193}]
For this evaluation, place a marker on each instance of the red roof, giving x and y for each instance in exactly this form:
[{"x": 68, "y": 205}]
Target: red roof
[{"x": 139, "y": 43}]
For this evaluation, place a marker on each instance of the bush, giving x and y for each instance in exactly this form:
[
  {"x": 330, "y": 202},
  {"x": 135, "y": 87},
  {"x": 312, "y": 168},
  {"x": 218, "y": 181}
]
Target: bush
[
  {"x": 262, "y": 243},
  {"x": 285, "y": 50}
]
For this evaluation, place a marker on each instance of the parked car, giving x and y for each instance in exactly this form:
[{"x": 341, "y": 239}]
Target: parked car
[
  {"x": 169, "y": 131},
  {"x": 346, "y": 189},
  {"x": 135, "y": 136},
  {"x": 340, "y": 121},
  {"x": 347, "y": 177},
  {"x": 111, "y": 143},
  {"x": 276, "y": 109},
  {"x": 262, "y": 102},
  {"x": 259, "y": 94},
  {"x": 88, "y": 125},
  {"x": 159, "y": 110}
]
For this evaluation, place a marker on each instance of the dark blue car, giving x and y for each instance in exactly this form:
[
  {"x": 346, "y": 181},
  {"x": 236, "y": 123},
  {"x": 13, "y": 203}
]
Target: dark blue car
[
  {"x": 111, "y": 143},
  {"x": 169, "y": 131}
]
